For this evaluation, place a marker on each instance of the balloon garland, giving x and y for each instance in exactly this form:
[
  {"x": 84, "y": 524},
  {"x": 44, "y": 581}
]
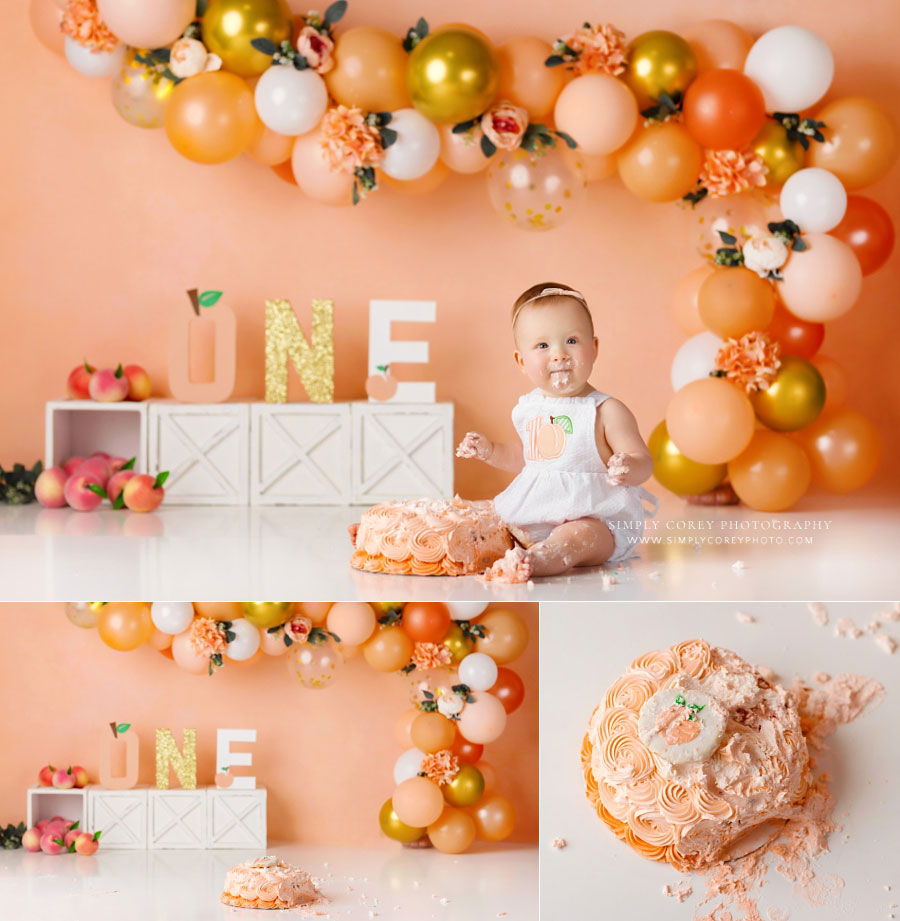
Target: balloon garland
[
  {"x": 455, "y": 656},
  {"x": 710, "y": 119}
]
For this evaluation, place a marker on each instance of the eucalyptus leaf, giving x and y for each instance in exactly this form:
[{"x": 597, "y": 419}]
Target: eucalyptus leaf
[{"x": 264, "y": 45}]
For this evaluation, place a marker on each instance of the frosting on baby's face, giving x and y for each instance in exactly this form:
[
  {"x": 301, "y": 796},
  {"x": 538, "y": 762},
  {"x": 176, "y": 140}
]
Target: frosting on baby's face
[{"x": 555, "y": 346}]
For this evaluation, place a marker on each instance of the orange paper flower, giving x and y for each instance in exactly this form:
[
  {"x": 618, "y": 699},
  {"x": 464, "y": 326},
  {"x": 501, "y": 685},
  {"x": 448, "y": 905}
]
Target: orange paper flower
[
  {"x": 81, "y": 21},
  {"x": 440, "y": 767},
  {"x": 430, "y": 655},
  {"x": 349, "y": 141},
  {"x": 752, "y": 361},
  {"x": 205, "y": 637},
  {"x": 600, "y": 50},
  {"x": 727, "y": 172}
]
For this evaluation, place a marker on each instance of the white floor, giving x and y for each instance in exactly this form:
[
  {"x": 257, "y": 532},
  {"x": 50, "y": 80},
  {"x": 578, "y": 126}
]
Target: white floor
[
  {"x": 240, "y": 552},
  {"x": 394, "y": 882}
]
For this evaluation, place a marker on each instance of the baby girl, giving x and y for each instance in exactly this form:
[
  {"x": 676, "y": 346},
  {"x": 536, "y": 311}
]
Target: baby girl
[{"x": 576, "y": 499}]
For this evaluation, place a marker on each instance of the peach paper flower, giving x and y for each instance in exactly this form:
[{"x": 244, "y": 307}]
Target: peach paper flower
[
  {"x": 205, "y": 637},
  {"x": 430, "y": 655},
  {"x": 440, "y": 767},
  {"x": 752, "y": 361},
  {"x": 504, "y": 124},
  {"x": 727, "y": 172},
  {"x": 81, "y": 21},
  {"x": 600, "y": 50},
  {"x": 349, "y": 141},
  {"x": 297, "y": 628},
  {"x": 317, "y": 48}
]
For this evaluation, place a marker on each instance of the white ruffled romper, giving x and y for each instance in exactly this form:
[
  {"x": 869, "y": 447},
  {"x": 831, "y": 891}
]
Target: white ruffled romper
[{"x": 564, "y": 477}]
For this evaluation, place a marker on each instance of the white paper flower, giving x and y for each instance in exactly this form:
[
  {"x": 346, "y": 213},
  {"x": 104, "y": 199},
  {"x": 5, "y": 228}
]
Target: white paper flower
[
  {"x": 448, "y": 703},
  {"x": 189, "y": 57},
  {"x": 764, "y": 253}
]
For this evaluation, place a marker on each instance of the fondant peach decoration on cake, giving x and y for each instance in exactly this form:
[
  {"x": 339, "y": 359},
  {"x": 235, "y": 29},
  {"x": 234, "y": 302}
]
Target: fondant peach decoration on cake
[
  {"x": 183, "y": 328},
  {"x": 429, "y": 537},
  {"x": 224, "y": 779},
  {"x": 270, "y": 883},
  {"x": 119, "y": 745},
  {"x": 381, "y": 386}
]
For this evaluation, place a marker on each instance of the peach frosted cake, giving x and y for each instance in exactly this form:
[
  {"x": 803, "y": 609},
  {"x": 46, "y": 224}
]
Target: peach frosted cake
[
  {"x": 692, "y": 748},
  {"x": 429, "y": 537},
  {"x": 268, "y": 882}
]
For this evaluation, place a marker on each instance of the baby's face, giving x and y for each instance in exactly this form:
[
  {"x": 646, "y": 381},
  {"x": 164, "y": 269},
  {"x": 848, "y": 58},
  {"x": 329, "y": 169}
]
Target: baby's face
[{"x": 555, "y": 346}]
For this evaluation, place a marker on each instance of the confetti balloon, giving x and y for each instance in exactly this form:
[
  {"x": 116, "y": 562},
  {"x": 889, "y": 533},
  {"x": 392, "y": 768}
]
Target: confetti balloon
[
  {"x": 315, "y": 665},
  {"x": 742, "y": 216},
  {"x": 532, "y": 192},
  {"x": 83, "y": 613}
]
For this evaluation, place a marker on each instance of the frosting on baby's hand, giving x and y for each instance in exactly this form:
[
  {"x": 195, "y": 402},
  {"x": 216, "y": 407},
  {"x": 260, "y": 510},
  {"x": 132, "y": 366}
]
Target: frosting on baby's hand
[
  {"x": 475, "y": 445},
  {"x": 617, "y": 468}
]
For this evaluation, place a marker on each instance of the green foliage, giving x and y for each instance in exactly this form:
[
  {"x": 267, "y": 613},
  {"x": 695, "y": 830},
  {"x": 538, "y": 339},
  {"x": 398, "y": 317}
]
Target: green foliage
[{"x": 17, "y": 485}]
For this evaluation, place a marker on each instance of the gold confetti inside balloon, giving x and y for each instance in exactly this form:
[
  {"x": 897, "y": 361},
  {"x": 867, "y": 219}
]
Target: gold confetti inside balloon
[
  {"x": 534, "y": 192},
  {"x": 453, "y": 74},
  {"x": 82, "y": 613},
  {"x": 680, "y": 474},
  {"x": 794, "y": 399},
  {"x": 266, "y": 614},
  {"x": 315, "y": 666},
  {"x": 781, "y": 155},
  {"x": 659, "y": 62},
  {"x": 230, "y": 25},
  {"x": 139, "y": 94}
]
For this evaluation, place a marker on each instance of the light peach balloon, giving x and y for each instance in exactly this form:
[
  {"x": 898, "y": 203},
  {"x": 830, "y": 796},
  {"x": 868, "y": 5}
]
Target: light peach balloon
[
  {"x": 483, "y": 720},
  {"x": 147, "y": 25},
  {"x": 835, "y": 378},
  {"x": 369, "y": 70},
  {"x": 718, "y": 43},
  {"x": 46, "y": 17},
  {"x": 352, "y": 621},
  {"x": 495, "y": 818},
  {"x": 710, "y": 420},
  {"x": 771, "y": 474},
  {"x": 418, "y": 801},
  {"x": 594, "y": 167},
  {"x": 661, "y": 162},
  {"x": 453, "y": 831},
  {"x": 316, "y": 611},
  {"x": 272, "y": 644},
  {"x": 159, "y": 640},
  {"x": 315, "y": 177},
  {"x": 186, "y": 658},
  {"x": 462, "y": 152},
  {"x": 684, "y": 300},
  {"x": 403, "y": 727},
  {"x": 269, "y": 147},
  {"x": 415, "y": 187},
  {"x": 844, "y": 448},
  {"x": 219, "y": 610},
  {"x": 822, "y": 282},
  {"x": 524, "y": 78},
  {"x": 598, "y": 111}
]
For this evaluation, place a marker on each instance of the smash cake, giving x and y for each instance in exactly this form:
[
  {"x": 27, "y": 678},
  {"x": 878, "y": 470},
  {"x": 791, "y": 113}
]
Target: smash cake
[
  {"x": 270, "y": 883},
  {"x": 430, "y": 537}
]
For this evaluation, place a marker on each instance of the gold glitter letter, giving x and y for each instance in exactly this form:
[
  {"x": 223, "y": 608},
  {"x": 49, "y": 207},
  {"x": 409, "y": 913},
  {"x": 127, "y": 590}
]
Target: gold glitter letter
[
  {"x": 183, "y": 763},
  {"x": 285, "y": 340}
]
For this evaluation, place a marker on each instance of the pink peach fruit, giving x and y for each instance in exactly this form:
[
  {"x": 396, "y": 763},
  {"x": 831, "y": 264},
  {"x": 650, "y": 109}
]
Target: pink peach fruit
[
  {"x": 71, "y": 836},
  {"x": 108, "y": 386},
  {"x": 102, "y": 454},
  {"x": 50, "y": 487},
  {"x": 139, "y": 386},
  {"x": 117, "y": 483},
  {"x": 73, "y": 463},
  {"x": 63, "y": 779},
  {"x": 42, "y": 825},
  {"x": 87, "y": 844},
  {"x": 51, "y": 844},
  {"x": 56, "y": 828},
  {"x": 81, "y": 776},
  {"x": 77, "y": 386},
  {"x": 45, "y": 777},
  {"x": 116, "y": 463},
  {"x": 143, "y": 493},
  {"x": 95, "y": 466},
  {"x": 79, "y": 496},
  {"x": 31, "y": 840}
]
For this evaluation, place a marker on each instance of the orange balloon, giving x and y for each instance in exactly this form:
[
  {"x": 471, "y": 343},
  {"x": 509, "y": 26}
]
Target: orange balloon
[
  {"x": 506, "y": 635},
  {"x": 285, "y": 172},
  {"x": 315, "y": 177},
  {"x": 684, "y": 301},
  {"x": 270, "y": 148},
  {"x": 489, "y": 773},
  {"x": 509, "y": 689},
  {"x": 844, "y": 448},
  {"x": 495, "y": 818},
  {"x": 710, "y": 420},
  {"x": 835, "y": 378},
  {"x": 724, "y": 109},
  {"x": 734, "y": 301},
  {"x": 124, "y": 625},
  {"x": 46, "y": 17},
  {"x": 661, "y": 162},
  {"x": 388, "y": 650},
  {"x": 431, "y": 732},
  {"x": 861, "y": 141},
  {"x": 718, "y": 43},
  {"x": 421, "y": 186},
  {"x": 772, "y": 474},
  {"x": 159, "y": 640},
  {"x": 594, "y": 167},
  {"x": 462, "y": 152},
  {"x": 524, "y": 78},
  {"x": 316, "y": 611},
  {"x": 219, "y": 610},
  {"x": 210, "y": 118},
  {"x": 453, "y": 832},
  {"x": 369, "y": 70},
  {"x": 418, "y": 802},
  {"x": 599, "y": 112},
  {"x": 466, "y": 751},
  {"x": 426, "y": 621},
  {"x": 403, "y": 727}
]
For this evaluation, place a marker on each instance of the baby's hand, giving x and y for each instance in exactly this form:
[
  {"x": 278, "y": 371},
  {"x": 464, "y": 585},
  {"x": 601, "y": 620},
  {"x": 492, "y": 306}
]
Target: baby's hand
[
  {"x": 475, "y": 445},
  {"x": 617, "y": 468}
]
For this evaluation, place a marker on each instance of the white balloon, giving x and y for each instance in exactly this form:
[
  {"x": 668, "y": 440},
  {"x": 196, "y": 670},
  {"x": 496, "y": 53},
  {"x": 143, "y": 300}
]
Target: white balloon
[
  {"x": 695, "y": 359},
  {"x": 478, "y": 671},
  {"x": 408, "y": 765},
  {"x": 290, "y": 101},
  {"x": 417, "y": 146},
  {"x": 94, "y": 63},
  {"x": 466, "y": 610},
  {"x": 792, "y": 66},
  {"x": 171, "y": 616},
  {"x": 814, "y": 199},
  {"x": 245, "y": 642}
]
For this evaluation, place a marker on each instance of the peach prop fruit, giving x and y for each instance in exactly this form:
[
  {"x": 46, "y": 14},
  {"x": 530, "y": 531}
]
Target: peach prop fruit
[
  {"x": 31, "y": 840},
  {"x": 81, "y": 776},
  {"x": 49, "y": 489},
  {"x": 108, "y": 386},
  {"x": 63, "y": 780},
  {"x": 381, "y": 386},
  {"x": 116, "y": 484},
  {"x": 73, "y": 463},
  {"x": 45, "y": 776},
  {"x": 95, "y": 466},
  {"x": 84, "y": 492},
  {"x": 51, "y": 844},
  {"x": 87, "y": 844},
  {"x": 77, "y": 386},
  {"x": 139, "y": 386},
  {"x": 143, "y": 493}
]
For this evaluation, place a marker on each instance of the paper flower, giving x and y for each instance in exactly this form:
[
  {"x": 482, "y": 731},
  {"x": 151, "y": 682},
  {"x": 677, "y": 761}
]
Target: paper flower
[
  {"x": 752, "y": 361},
  {"x": 349, "y": 141},
  {"x": 317, "y": 47},
  {"x": 764, "y": 253},
  {"x": 298, "y": 629},
  {"x": 189, "y": 57},
  {"x": 504, "y": 125},
  {"x": 440, "y": 767},
  {"x": 206, "y": 637},
  {"x": 430, "y": 655},
  {"x": 449, "y": 704},
  {"x": 727, "y": 172},
  {"x": 81, "y": 21},
  {"x": 597, "y": 50}
]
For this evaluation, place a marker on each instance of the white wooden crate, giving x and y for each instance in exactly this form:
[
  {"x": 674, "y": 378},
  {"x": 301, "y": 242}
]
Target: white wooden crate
[
  {"x": 206, "y": 449},
  {"x": 46, "y": 802},
  {"x": 81, "y": 427},
  {"x": 402, "y": 451},
  {"x": 300, "y": 454},
  {"x": 236, "y": 818},
  {"x": 176, "y": 818},
  {"x": 121, "y": 815}
]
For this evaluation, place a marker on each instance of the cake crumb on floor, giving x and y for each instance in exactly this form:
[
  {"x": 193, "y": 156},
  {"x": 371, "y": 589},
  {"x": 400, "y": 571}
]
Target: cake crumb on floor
[
  {"x": 743, "y": 617},
  {"x": 558, "y": 843},
  {"x": 846, "y": 629},
  {"x": 819, "y": 612},
  {"x": 822, "y": 677},
  {"x": 681, "y": 890},
  {"x": 886, "y": 643}
]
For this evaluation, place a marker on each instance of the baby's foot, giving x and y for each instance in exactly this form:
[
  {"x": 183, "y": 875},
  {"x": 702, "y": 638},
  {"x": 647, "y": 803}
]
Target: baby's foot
[
  {"x": 617, "y": 468},
  {"x": 721, "y": 495},
  {"x": 352, "y": 530},
  {"x": 515, "y": 566}
]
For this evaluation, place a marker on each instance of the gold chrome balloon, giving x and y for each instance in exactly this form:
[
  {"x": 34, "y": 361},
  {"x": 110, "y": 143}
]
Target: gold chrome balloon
[
  {"x": 659, "y": 62},
  {"x": 794, "y": 399},
  {"x": 466, "y": 788},
  {"x": 266, "y": 614},
  {"x": 453, "y": 74},
  {"x": 394, "y": 828},
  {"x": 230, "y": 25},
  {"x": 139, "y": 93},
  {"x": 680, "y": 474},
  {"x": 781, "y": 155},
  {"x": 458, "y": 643}
]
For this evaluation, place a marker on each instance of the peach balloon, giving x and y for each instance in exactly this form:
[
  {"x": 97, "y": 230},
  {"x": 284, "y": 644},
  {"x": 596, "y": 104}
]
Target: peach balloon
[
  {"x": 315, "y": 177},
  {"x": 210, "y": 118},
  {"x": 718, "y": 43},
  {"x": 124, "y": 625},
  {"x": 684, "y": 301},
  {"x": 147, "y": 25},
  {"x": 489, "y": 773},
  {"x": 387, "y": 650},
  {"x": 316, "y": 611},
  {"x": 844, "y": 448},
  {"x": 421, "y": 186},
  {"x": 495, "y": 818},
  {"x": 431, "y": 732},
  {"x": 524, "y": 78},
  {"x": 594, "y": 167},
  {"x": 861, "y": 141},
  {"x": 822, "y": 282},
  {"x": 453, "y": 831},
  {"x": 506, "y": 636},
  {"x": 599, "y": 112},
  {"x": 369, "y": 70},
  {"x": 734, "y": 301},
  {"x": 462, "y": 152},
  {"x": 418, "y": 801},
  {"x": 46, "y": 18},
  {"x": 772, "y": 474},
  {"x": 835, "y": 378},
  {"x": 483, "y": 720},
  {"x": 219, "y": 610},
  {"x": 710, "y": 420},
  {"x": 403, "y": 727},
  {"x": 159, "y": 640},
  {"x": 269, "y": 147},
  {"x": 661, "y": 162},
  {"x": 272, "y": 644},
  {"x": 185, "y": 657},
  {"x": 353, "y": 621}
]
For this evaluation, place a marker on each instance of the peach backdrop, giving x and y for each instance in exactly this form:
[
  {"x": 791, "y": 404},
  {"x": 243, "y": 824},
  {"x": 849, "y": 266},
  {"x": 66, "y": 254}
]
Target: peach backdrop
[
  {"x": 106, "y": 226},
  {"x": 326, "y": 757}
]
